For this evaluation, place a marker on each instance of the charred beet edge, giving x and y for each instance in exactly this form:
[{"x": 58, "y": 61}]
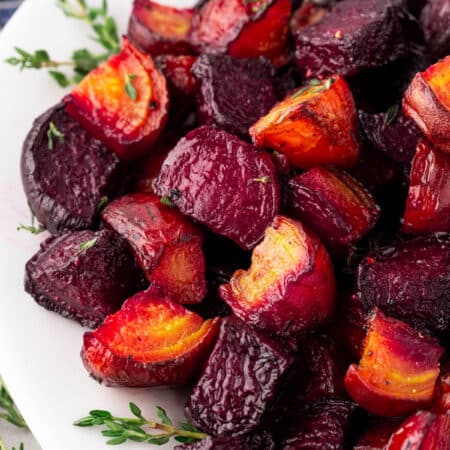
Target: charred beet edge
[
  {"x": 410, "y": 281},
  {"x": 83, "y": 275},
  {"x": 239, "y": 381},
  {"x": 233, "y": 93},
  {"x": 435, "y": 21},
  {"x": 222, "y": 182},
  {"x": 356, "y": 35},
  {"x": 66, "y": 175},
  {"x": 398, "y": 368},
  {"x": 151, "y": 341}
]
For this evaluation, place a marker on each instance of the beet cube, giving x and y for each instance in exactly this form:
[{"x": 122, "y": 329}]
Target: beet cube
[
  {"x": 83, "y": 275},
  {"x": 435, "y": 21},
  {"x": 356, "y": 35},
  {"x": 222, "y": 182},
  {"x": 224, "y": 79},
  {"x": 66, "y": 172},
  {"x": 410, "y": 281},
  {"x": 239, "y": 381}
]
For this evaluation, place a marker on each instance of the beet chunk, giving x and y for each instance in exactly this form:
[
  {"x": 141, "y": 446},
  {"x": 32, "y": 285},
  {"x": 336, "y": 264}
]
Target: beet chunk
[
  {"x": 222, "y": 182},
  {"x": 410, "y": 281},
  {"x": 223, "y": 80},
  {"x": 355, "y": 35},
  {"x": 83, "y": 275},
  {"x": 239, "y": 381},
  {"x": 66, "y": 177},
  {"x": 435, "y": 21}
]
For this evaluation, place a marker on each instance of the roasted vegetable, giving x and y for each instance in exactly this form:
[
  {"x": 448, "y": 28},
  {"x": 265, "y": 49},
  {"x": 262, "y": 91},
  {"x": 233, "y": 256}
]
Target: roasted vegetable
[
  {"x": 167, "y": 246},
  {"x": 222, "y": 182},
  {"x": 435, "y": 21},
  {"x": 239, "y": 381},
  {"x": 178, "y": 72},
  {"x": 83, "y": 275},
  {"x": 315, "y": 125},
  {"x": 124, "y": 103},
  {"x": 377, "y": 434},
  {"x": 427, "y": 102},
  {"x": 397, "y": 371},
  {"x": 224, "y": 79},
  {"x": 66, "y": 172},
  {"x": 151, "y": 341},
  {"x": 290, "y": 285},
  {"x": 309, "y": 13},
  {"x": 441, "y": 403}
]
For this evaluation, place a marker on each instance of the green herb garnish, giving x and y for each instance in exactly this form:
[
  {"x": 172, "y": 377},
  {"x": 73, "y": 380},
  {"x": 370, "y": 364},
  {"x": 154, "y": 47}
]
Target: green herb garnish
[
  {"x": 87, "y": 245},
  {"x": 129, "y": 87},
  {"x": 120, "y": 429},
  {"x": 102, "y": 203},
  {"x": 167, "y": 202},
  {"x": 315, "y": 86},
  {"x": 390, "y": 115},
  {"x": 33, "y": 229},
  {"x": 8, "y": 411},
  {"x": 53, "y": 133}
]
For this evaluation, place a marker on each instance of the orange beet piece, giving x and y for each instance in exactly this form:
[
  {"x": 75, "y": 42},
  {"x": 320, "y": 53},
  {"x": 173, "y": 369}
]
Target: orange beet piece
[
  {"x": 167, "y": 246},
  {"x": 315, "y": 125},
  {"x": 159, "y": 29},
  {"x": 397, "y": 371},
  {"x": 124, "y": 102},
  {"x": 427, "y": 102},
  {"x": 244, "y": 28},
  {"x": 428, "y": 203},
  {"x": 290, "y": 285},
  {"x": 151, "y": 341}
]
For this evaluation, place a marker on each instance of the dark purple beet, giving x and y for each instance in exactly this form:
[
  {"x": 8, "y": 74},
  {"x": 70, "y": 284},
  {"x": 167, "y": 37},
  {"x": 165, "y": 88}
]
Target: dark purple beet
[
  {"x": 286, "y": 80},
  {"x": 239, "y": 382},
  {"x": 222, "y": 182},
  {"x": 392, "y": 133},
  {"x": 233, "y": 93},
  {"x": 356, "y": 35},
  {"x": 410, "y": 281},
  {"x": 83, "y": 275},
  {"x": 255, "y": 441},
  {"x": 435, "y": 21},
  {"x": 64, "y": 185}
]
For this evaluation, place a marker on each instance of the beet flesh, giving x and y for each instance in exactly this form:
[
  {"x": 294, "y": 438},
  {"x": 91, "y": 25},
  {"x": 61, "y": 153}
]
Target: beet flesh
[
  {"x": 223, "y": 80},
  {"x": 354, "y": 36},
  {"x": 435, "y": 22},
  {"x": 83, "y": 284},
  {"x": 65, "y": 185},
  {"x": 222, "y": 182},
  {"x": 239, "y": 382}
]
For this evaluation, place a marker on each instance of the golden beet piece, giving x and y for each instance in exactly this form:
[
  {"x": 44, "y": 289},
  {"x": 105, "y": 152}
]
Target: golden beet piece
[
  {"x": 427, "y": 102},
  {"x": 124, "y": 103},
  {"x": 290, "y": 285},
  {"x": 315, "y": 125},
  {"x": 397, "y": 371}
]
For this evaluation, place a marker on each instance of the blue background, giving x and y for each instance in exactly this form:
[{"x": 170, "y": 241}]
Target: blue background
[{"x": 7, "y": 8}]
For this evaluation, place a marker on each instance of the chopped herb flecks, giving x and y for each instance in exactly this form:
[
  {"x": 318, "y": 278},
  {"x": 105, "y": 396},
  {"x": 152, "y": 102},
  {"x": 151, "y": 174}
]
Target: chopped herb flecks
[
  {"x": 129, "y": 87},
  {"x": 53, "y": 133}
]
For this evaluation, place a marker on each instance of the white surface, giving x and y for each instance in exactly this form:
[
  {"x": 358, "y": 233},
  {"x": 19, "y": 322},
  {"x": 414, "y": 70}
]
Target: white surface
[
  {"x": 39, "y": 351},
  {"x": 13, "y": 436}
]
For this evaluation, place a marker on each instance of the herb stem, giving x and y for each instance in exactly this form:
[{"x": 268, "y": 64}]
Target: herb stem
[{"x": 10, "y": 414}]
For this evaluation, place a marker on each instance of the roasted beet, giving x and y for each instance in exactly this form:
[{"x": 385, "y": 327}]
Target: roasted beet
[
  {"x": 159, "y": 29},
  {"x": 66, "y": 172},
  {"x": 427, "y": 102},
  {"x": 356, "y": 35},
  {"x": 336, "y": 206},
  {"x": 315, "y": 125},
  {"x": 239, "y": 381},
  {"x": 222, "y": 80},
  {"x": 244, "y": 28},
  {"x": 435, "y": 21},
  {"x": 167, "y": 246},
  {"x": 428, "y": 204},
  {"x": 151, "y": 341},
  {"x": 410, "y": 281},
  {"x": 441, "y": 403},
  {"x": 398, "y": 368},
  {"x": 222, "y": 182},
  {"x": 124, "y": 102},
  {"x": 377, "y": 434},
  {"x": 392, "y": 133},
  {"x": 308, "y": 14},
  {"x": 286, "y": 79},
  {"x": 178, "y": 73},
  {"x": 290, "y": 285},
  {"x": 83, "y": 275}
]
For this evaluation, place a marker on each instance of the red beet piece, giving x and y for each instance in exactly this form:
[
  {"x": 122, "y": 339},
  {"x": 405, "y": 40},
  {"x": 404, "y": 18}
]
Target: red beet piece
[
  {"x": 222, "y": 182},
  {"x": 178, "y": 72},
  {"x": 65, "y": 177},
  {"x": 308, "y": 14},
  {"x": 441, "y": 403},
  {"x": 435, "y": 21},
  {"x": 224, "y": 79},
  {"x": 332, "y": 203},
  {"x": 83, "y": 275},
  {"x": 239, "y": 381},
  {"x": 410, "y": 281},
  {"x": 392, "y": 133},
  {"x": 356, "y": 35},
  {"x": 167, "y": 246}
]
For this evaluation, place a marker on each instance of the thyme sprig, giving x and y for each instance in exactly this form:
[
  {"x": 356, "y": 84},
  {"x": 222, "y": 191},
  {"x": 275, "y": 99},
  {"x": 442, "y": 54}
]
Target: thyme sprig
[
  {"x": 121, "y": 429},
  {"x": 33, "y": 229},
  {"x": 8, "y": 411},
  {"x": 315, "y": 86}
]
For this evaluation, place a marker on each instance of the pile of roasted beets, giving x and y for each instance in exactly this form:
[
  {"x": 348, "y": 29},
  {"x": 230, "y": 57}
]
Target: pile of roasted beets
[{"x": 253, "y": 198}]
